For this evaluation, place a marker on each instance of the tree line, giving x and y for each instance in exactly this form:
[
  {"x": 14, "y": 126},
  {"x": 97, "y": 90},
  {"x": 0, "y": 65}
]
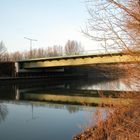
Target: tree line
[{"x": 72, "y": 47}]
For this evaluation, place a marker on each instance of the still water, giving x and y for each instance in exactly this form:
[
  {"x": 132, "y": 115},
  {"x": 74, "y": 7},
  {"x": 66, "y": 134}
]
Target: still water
[
  {"x": 46, "y": 111},
  {"x": 35, "y": 121}
]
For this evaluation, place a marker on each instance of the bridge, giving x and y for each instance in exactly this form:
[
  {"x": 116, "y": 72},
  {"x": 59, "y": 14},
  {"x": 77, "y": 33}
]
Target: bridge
[{"x": 78, "y": 60}]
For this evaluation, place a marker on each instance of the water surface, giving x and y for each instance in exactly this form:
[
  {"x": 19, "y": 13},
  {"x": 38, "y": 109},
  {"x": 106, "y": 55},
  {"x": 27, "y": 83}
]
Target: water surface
[
  {"x": 24, "y": 116},
  {"x": 34, "y": 121}
]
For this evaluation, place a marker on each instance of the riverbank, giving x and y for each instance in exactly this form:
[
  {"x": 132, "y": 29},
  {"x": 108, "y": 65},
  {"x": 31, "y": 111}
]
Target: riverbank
[{"x": 122, "y": 123}]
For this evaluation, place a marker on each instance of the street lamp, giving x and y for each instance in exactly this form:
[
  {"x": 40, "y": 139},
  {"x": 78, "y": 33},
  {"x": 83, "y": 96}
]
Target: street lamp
[{"x": 31, "y": 40}]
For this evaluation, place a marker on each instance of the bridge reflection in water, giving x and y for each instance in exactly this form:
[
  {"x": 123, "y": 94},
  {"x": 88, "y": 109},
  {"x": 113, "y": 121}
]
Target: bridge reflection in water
[{"x": 69, "y": 92}]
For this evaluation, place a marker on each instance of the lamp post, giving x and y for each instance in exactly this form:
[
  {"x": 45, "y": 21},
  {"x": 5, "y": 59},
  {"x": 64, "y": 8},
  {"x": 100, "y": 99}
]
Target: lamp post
[{"x": 31, "y": 40}]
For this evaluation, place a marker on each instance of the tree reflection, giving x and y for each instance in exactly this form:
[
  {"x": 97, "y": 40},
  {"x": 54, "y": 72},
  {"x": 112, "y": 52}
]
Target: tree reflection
[
  {"x": 72, "y": 108},
  {"x": 3, "y": 112}
]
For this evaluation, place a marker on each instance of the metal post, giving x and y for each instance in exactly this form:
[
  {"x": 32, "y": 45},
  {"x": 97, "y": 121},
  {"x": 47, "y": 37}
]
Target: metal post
[{"x": 30, "y": 45}]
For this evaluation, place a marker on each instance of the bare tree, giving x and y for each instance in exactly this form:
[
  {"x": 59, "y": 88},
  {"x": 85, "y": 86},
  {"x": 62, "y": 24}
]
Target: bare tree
[
  {"x": 108, "y": 21},
  {"x": 72, "y": 47},
  {"x": 54, "y": 51},
  {"x": 3, "y": 51},
  {"x": 16, "y": 56},
  {"x": 41, "y": 52},
  {"x": 37, "y": 53},
  {"x": 115, "y": 24}
]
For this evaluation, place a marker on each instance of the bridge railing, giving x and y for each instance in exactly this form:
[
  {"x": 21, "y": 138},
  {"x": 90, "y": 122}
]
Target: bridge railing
[{"x": 96, "y": 52}]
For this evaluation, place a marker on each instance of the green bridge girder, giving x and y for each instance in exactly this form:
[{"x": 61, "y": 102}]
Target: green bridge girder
[{"x": 77, "y": 60}]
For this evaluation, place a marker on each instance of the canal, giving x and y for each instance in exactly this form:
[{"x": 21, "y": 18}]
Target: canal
[{"x": 51, "y": 110}]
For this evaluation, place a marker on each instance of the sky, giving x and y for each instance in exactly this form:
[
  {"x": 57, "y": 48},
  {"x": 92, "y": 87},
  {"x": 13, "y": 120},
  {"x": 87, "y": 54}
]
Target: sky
[{"x": 50, "y": 22}]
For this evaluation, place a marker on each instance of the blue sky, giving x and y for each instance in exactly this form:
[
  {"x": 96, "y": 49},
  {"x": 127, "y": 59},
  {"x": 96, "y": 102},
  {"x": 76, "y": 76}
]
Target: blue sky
[{"x": 51, "y": 22}]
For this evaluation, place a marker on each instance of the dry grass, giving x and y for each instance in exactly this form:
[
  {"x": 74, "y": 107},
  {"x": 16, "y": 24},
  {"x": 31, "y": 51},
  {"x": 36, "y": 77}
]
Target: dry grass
[{"x": 121, "y": 124}]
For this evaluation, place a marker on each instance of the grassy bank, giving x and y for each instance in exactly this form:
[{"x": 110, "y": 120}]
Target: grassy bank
[{"x": 121, "y": 124}]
